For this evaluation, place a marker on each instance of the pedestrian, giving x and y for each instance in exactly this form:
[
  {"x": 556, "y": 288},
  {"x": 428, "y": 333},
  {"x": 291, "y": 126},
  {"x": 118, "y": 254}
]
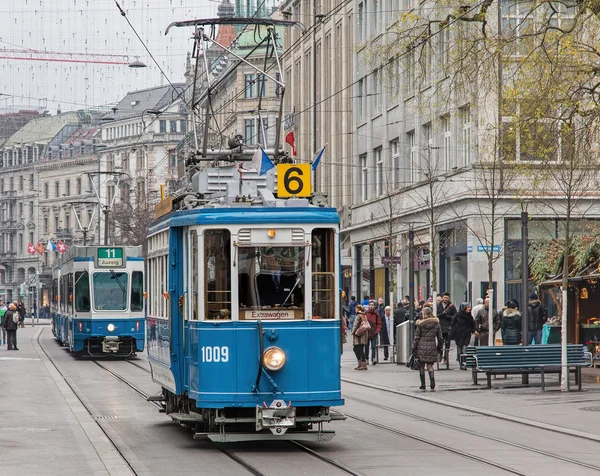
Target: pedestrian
[
  {"x": 427, "y": 345},
  {"x": 482, "y": 327},
  {"x": 463, "y": 327},
  {"x": 21, "y": 311},
  {"x": 352, "y": 311},
  {"x": 536, "y": 318},
  {"x": 10, "y": 323},
  {"x": 365, "y": 301},
  {"x": 375, "y": 322},
  {"x": 360, "y": 337},
  {"x": 511, "y": 324},
  {"x": 406, "y": 302},
  {"x": 478, "y": 305},
  {"x": 387, "y": 321},
  {"x": 445, "y": 313},
  {"x": 3, "y": 310}
]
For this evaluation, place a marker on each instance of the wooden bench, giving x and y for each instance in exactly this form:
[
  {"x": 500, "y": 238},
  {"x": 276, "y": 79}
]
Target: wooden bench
[{"x": 526, "y": 360}]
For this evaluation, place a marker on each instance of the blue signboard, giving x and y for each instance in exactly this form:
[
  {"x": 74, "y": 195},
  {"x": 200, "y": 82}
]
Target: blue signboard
[{"x": 488, "y": 248}]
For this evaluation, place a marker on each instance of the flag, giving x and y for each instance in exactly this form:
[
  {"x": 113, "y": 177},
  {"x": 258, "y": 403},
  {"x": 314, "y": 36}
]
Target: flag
[
  {"x": 317, "y": 158},
  {"x": 291, "y": 140},
  {"x": 261, "y": 162},
  {"x": 31, "y": 249},
  {"x": 60, "y": 246},
  {"x": 39, "y": 248},
  {"x": 50, "y": 246}
]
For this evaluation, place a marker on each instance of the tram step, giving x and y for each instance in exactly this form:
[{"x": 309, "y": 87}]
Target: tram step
[
  {"x": 156, "y": 398},
  {"x": 266, "y": 436},
  {"x": 186, "y": 417}
]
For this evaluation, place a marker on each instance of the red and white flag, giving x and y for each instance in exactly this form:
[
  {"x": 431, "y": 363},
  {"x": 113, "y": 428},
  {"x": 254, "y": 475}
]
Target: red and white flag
[
  {"x": 291, "y": 140},
  {"x": 60, "y": 246},
  {"x": 39, "y": 248},
  {"x": 31, "y": 249}
]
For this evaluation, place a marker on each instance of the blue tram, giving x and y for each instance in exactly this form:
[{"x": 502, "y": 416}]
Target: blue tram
[
  {"x": 98, "y": 300},
  {"x": 243, "y": 318}
]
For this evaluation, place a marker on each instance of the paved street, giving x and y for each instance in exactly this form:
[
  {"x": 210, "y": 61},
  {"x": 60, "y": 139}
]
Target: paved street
[{"x": 73, "y": 417}]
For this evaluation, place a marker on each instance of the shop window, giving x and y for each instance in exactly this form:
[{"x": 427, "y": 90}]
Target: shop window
[
  {"x": 324, "y": 287},
  {"x": 217, "y": 273}
]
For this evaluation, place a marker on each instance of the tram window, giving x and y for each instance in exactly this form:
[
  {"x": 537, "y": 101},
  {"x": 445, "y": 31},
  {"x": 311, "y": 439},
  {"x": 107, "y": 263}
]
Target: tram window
[
  {"x": 110, "y": 291},
  {"x": 194, "y": 257},
  {"x": 137, "y": 291},
  {"x": 82, "y": 291},
  {"x": 217, "y": 273},
  {"x": 55, "y": 294},
  {"x": 70, "y": 293},
  {"x": 324, "y": 287},
  {"x": 271, "y": 277}
]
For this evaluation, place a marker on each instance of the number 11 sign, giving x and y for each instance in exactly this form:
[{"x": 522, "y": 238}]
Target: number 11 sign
[{"x": 110, "y": 257}]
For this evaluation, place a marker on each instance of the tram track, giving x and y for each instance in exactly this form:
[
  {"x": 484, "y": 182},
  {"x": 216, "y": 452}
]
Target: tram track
[
  {"x": 84, "y": 405},
  {"x": 249, "y": 466},
  {"x": 473, "y": 433}
]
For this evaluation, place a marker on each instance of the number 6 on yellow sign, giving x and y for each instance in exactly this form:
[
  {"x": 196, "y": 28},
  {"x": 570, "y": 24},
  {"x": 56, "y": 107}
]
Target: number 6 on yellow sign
[{"x": 293, "y": 180}]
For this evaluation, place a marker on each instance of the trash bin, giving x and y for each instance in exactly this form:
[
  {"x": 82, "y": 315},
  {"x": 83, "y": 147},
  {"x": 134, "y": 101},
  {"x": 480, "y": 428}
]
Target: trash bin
[{"x": 403, "y": 347}]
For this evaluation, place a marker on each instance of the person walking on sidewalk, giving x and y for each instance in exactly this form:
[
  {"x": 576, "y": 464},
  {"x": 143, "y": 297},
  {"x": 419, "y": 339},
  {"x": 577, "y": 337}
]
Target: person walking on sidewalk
[
  {"x": 10, "y": 323},
  {"x": 360, "y": 339},
  {"x": 386, "y": 328},
  {"x": 536, "y": 317},
  {"x": 375, "y": 322},
  {"x": 352, "y": 311},
  {"x": 21, "y": 311},
  {"x": 3, "y": 310},
  {"x": 511, "y": 324},
  {"x": 463, "y": 327},
  {"x": 445, "y": 313},
  {"x": 427, "y": 345},
  {"x": 482, "y": 328}
]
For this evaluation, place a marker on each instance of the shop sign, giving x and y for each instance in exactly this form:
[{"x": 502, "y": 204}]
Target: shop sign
[
  {"x": 390, "y": 260},
  {"x": 488, "y": 248}
]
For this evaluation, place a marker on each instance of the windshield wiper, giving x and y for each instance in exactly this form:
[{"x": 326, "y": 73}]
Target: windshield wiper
[{"x": 115, "y": 277}]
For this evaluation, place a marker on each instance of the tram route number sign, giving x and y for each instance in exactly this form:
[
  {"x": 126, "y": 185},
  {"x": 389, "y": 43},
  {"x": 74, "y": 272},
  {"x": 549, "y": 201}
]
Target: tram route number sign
[
  {"x": 293, "y": 180},
  {"x": 110, "y": 257}
]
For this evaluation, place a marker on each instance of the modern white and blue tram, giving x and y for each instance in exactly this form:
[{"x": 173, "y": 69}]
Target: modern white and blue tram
[
  {"x": 243, "y": 325},
  {"x": 98, "y": 300}
]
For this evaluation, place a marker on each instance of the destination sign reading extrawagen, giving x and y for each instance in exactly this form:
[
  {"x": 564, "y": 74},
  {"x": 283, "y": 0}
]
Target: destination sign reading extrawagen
[{"x": 270, "y": 314}]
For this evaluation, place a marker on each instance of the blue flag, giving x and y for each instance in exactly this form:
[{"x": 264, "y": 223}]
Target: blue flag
[
  {"x": 317, "y": 159},
  {"x": 261, "y": 162}
]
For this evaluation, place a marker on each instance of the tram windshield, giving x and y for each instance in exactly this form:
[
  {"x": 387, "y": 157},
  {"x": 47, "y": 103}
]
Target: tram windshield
[
  {"x": 271, "y": 277},
  {"x": 110, "y": 290}
]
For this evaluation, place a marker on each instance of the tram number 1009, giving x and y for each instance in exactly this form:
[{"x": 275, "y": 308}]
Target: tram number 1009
[{"x": 215, "y": 354}]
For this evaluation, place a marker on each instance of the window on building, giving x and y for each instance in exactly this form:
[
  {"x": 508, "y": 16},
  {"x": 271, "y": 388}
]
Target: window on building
[
  {"x": 444, "y": 48},
  {"x": 249, "y": 134},
  {"x": 12, "y": 183},
  {"x": 1, "y": 185},
  {"x": 21, "y": 210},
  {"x": 409, "y": 72},
  {"x": 31, "y": 237},
  {"x": 46, "y": 224},
  {"x": 249, "y": 86},
  {"x": 360, "y": 20},
  {"x": 376, "y": 91},
  {"x": 466, "y": 126},
  {"x": 379, "y": 172},
  {"x": 162, "y": 126},
  {"x": 46, "y": 190},
  {"x": 57, "y": 188},
  {"x": 56, "y": 223},
  {"x": 395, "y": 160},
  {"x": 374, "y": 16},
  {"x": 412, "y": 155},
  {"x": 21, "y": 183},
  {"x": 183, "y": 126},
  {"x": 263, "y": 134},
  {"x": 31, "y": 212},
  {"x": 447, "y": 148},
  {"x": 110, "y": 192},
  {"x": 79, "y": 186},
  {"x": 21, "y": 243},
  {"x": 31, "y": 181},
  {"x": 359, "y": 99},
  {"x": 173, "y": 159},
  {"x": 364, "y": 177},
  {"x": 67, "y": 221},
  {"x": 173, "y": 126},
  {"x": 68, "y": 188}
]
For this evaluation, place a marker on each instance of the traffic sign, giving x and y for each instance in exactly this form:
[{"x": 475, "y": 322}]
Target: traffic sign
[{"x": 293, "y": 180}]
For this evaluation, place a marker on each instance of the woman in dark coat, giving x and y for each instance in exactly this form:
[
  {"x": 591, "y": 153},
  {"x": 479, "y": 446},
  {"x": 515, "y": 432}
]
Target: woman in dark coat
[
  {"x": 461, "y": 330},
  {"x": 11, "y": 327},
  {"x": 427, "y": 344},
  {"x": 511, "y": 324},
  {"x": 21, "y": 311}
]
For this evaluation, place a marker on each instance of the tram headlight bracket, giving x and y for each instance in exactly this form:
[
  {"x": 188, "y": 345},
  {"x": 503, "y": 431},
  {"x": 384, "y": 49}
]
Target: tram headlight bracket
[
  {"x": 274, "y": 358},
  {"x": 110, "y": 327}
]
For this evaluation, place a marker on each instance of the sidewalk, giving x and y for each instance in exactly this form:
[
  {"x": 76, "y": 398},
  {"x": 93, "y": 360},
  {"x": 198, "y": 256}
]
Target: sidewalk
[
  {"x": 574, "y": 410},
  {"x": 44, "y": 428}
]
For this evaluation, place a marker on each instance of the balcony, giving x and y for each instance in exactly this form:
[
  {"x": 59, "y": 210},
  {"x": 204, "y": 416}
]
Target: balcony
[
  {"x": 7, "y": 255},
  {"x": 8, "y": 195},
  {"x": 9, "y": 226},
  {"x": 64, "y": 234}
]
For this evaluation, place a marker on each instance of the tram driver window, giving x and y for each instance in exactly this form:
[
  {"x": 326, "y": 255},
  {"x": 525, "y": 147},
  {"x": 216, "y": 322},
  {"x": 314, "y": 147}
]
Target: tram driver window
[
  {"x": 82, "y": 291},
  {"x": 217, "y": 274},
  {"x": 324, "y": 292}
]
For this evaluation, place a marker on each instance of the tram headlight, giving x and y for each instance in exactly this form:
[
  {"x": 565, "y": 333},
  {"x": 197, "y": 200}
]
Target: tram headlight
[
  {"x": 110, "y": 327},
  {"x": 273, "y": 358}
]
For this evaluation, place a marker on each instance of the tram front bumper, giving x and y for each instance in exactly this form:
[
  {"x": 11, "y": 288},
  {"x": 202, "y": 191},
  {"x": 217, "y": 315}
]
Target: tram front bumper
[
  {"x": 277, "y": 417},
  {"x": 111, "y": 344}
]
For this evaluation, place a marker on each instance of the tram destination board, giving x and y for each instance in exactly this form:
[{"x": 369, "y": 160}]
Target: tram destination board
[{"x": 110, "y": 257}]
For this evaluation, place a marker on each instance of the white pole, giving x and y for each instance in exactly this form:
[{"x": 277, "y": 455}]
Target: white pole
[
  {"x": 491, "y": 339},
  {"x": 564, "y": 378}
]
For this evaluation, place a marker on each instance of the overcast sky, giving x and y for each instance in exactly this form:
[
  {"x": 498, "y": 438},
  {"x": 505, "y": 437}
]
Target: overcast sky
[{"x": 91, "y": 26}]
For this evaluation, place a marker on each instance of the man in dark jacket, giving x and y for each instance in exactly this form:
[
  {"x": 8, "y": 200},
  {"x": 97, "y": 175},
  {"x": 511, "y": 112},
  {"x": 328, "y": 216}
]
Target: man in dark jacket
[
  {"x": 536, "y": 318},
  {"x": 400, "y": 315},
  {"x": 10, "y": 325},
  {"x": 375, "y": 322},
  {"x": 482, "y": 327},
  {"x": 445, "y": 313},
  {"x": 352, "y": 311}
]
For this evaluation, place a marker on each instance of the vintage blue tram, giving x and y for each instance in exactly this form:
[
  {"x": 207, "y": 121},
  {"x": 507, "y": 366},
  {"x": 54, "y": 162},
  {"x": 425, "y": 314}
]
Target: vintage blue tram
[
  {"x": 243, "y": 324},
  {"x": 98, "y": 300}
]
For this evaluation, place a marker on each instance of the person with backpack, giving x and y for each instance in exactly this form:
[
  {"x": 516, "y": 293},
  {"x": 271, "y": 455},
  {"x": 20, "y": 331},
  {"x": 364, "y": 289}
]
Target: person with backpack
[
  {"x": 10, "y": 324},
  {"x": 375, "y": 322}
]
